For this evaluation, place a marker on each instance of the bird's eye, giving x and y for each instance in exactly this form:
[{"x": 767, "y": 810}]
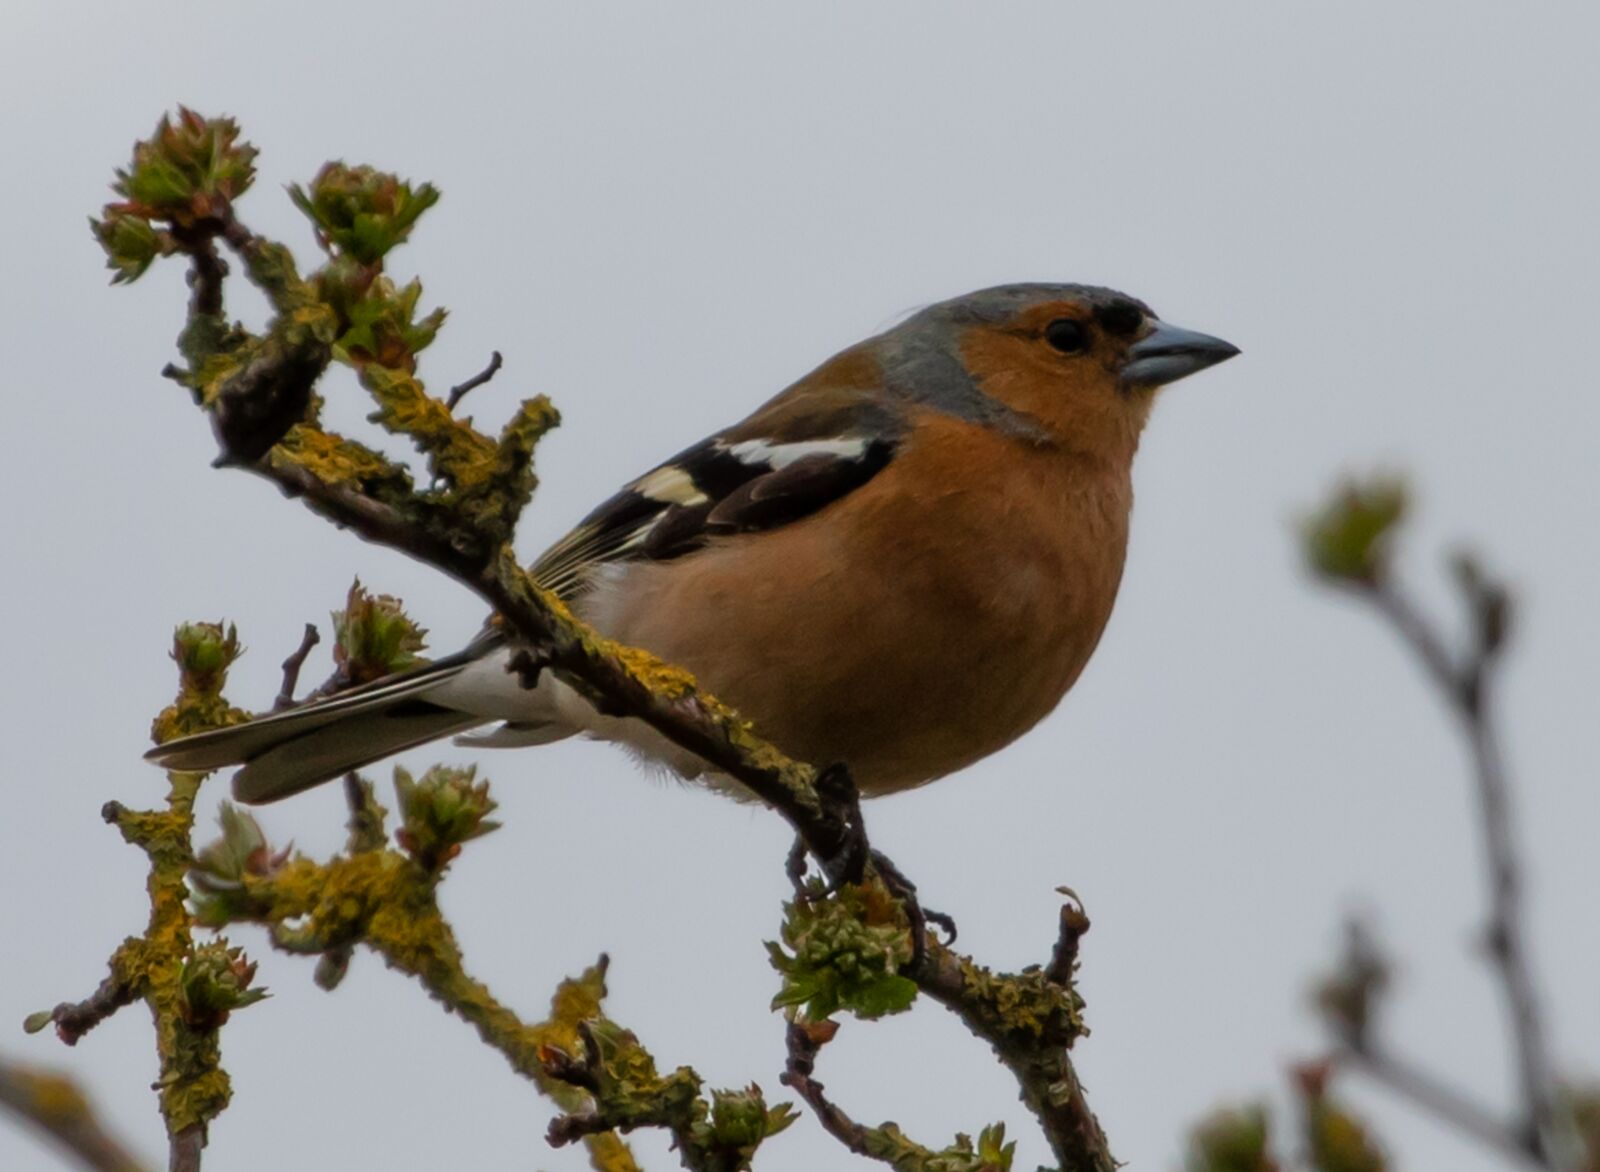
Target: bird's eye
[
  {"x": 1066, "y": 335},
  {"x": 1121, "y": 318}
]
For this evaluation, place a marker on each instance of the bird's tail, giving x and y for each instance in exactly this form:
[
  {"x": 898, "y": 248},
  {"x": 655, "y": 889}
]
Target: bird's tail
[{"x": 286, "y": 752}]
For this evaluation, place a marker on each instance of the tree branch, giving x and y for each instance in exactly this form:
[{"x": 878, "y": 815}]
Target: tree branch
[
  {"x": 1467, "y": 685},
  {"x": 1441, "y": 1100},
  {"x": 56, "y": 1107},
  {"x": 292, "y": 666},
  {"x": 461, "y": 390},
  {"x": 886, "y": 1143},
  {"x": 1031, "y": 1023},
  {"x": 804, "y": 1042}
]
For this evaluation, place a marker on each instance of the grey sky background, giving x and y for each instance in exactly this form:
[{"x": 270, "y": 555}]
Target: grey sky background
[{"x": 662, "y": 214}]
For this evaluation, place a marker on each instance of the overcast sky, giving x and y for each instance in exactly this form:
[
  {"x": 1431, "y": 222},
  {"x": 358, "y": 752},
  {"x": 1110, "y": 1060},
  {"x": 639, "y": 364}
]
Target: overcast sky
[{"x": 663, "y": 213}]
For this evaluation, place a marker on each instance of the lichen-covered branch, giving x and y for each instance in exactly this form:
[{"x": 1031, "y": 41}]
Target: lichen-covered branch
[
  {"x": 56, "y": 1107},
  {"x": 385, "y": 900},
  {"x": 1031, "y": 1022},
  {"x": 189, "y": 988},
  {"x": 626, "y": 1092}
]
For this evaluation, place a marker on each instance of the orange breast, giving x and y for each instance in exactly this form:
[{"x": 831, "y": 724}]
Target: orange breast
[{"x": 922, "y": 622}]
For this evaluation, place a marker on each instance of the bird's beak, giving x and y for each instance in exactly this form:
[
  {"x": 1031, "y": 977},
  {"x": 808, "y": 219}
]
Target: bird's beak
[{"x": 1168, "y": 353}]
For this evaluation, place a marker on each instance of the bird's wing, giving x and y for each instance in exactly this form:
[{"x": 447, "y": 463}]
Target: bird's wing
[{"x": 805, "y": 449}]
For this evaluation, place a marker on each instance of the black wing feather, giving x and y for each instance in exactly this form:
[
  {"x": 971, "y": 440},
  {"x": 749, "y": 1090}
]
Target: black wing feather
[{"x": 719, "y": 486}]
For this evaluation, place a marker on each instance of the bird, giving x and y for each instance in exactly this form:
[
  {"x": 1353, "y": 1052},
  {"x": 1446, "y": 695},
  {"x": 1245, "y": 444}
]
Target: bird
[{"x": 901, "y": 563}]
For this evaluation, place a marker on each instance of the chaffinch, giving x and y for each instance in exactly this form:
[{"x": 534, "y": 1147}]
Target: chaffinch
[{"x": 901, "y": 562}]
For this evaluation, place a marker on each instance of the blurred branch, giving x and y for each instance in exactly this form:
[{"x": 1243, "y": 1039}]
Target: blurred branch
[
  {"x": 1444, "y": 1102},
  {"x": 1469, "y": 687},
  {"x": 56, "y": 1107},
  {"x": 1349, "y": 543}
]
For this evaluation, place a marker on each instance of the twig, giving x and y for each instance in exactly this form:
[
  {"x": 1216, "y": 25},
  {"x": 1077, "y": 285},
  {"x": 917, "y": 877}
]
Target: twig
[
  {"x": 292, "y": 666},
  {"x": 73, "y": 1019},
  {"x": 1443, "y": 1101},
  {"x": 461, "y": 390},
  {"x": 1035, "y": 1051},
  {"x": 804, "y": 1042},
  {"x": 56, "y": 1107},
  {"x": 186, "y": 1148},
  {"x": 1467, "y": 685},
  {"x": 206, "y": 274},
  {"x": 1073, "y": 924}
]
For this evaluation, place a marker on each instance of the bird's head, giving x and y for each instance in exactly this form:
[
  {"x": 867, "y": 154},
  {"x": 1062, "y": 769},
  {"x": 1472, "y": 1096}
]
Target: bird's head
[{"x": 1077, "y": 363}]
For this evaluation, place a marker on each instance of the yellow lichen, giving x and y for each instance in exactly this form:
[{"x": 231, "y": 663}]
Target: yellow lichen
[{"x": 334, "y": 460}]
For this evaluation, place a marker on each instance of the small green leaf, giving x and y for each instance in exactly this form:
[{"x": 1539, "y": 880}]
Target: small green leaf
[
  {"x": 35, "y": 1022},
  {"x": 131, "y": 243}
]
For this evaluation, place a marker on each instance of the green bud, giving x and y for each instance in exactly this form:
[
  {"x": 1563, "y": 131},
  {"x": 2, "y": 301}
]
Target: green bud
[
  {"x": 892, "y": 1146},
  {"x": 993, "y": 1151},
  {"x": 440, "y": 811},
  {"x": 1348, "y": 540},
  {"x": 331, "y": 969},
  {"x": 131, "y": 243},
  {"x": 191, "y": 169},
  {"x": 1232, "y": 1140},
  {"x": 204, "y": 652},
  {"x": 740, "y": 1120},
  {"x": 1335, "y": 1140},
  {"x": 221, "y": 868},
  {"x": 373, "y": 637},
  {"x": 844, "y": 950},
  {"x": 384, "y": 328},
  {"x": 215, "y": 981},
  {"x": 362, "y": 212}
]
